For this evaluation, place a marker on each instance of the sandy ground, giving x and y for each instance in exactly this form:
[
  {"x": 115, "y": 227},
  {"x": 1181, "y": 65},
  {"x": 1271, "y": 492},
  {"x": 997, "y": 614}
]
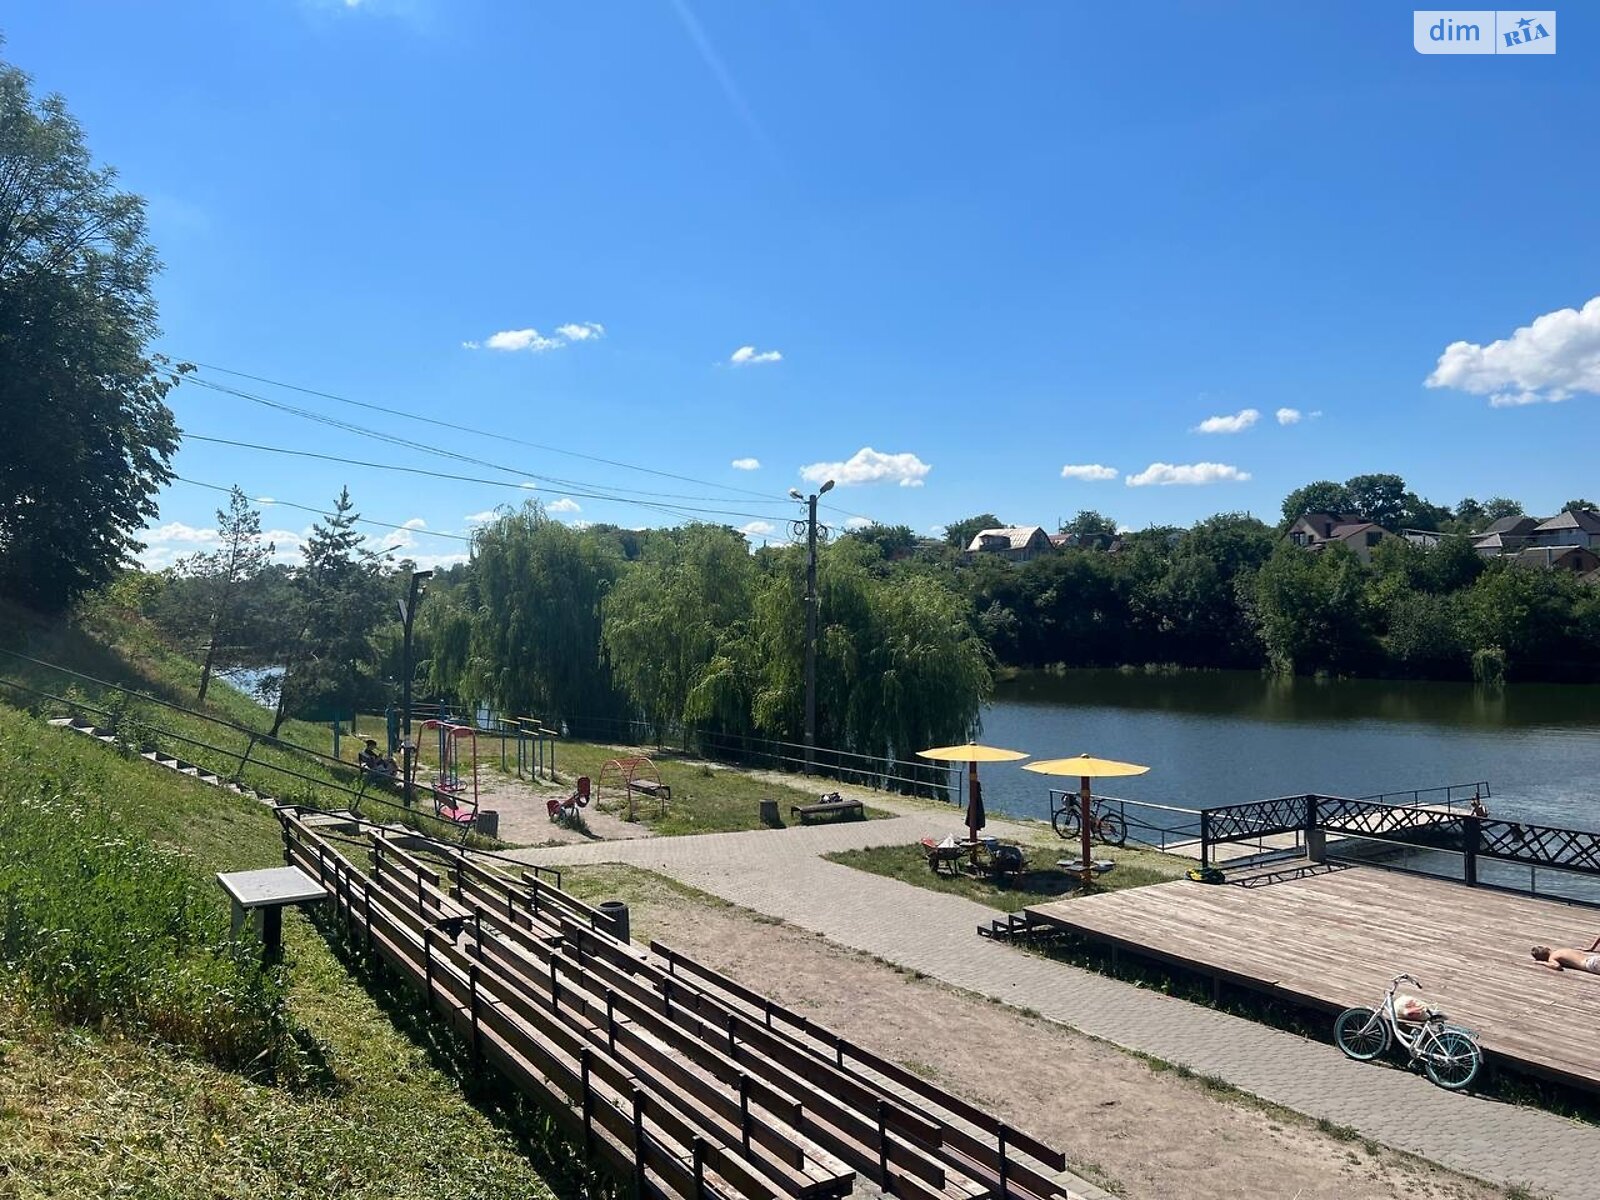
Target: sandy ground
[
  {"x": 1135, "y": 1131},
  {"x": 525, "y": 820}
]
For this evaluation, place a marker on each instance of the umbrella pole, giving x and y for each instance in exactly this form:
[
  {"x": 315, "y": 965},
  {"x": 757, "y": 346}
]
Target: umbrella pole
[
  {"x": 1083, "y": 822},
  {"x": 972, "y": 811}
]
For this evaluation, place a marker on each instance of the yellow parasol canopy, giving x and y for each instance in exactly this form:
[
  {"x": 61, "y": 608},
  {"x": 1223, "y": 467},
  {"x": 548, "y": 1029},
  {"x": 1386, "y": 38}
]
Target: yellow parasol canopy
[
  {"x": 1085, "y": 765},
  {"x": 971, "y": 753}
]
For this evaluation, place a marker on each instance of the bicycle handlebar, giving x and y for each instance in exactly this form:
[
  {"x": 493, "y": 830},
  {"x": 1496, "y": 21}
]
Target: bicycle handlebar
[{"x": 1395, "y": 982}]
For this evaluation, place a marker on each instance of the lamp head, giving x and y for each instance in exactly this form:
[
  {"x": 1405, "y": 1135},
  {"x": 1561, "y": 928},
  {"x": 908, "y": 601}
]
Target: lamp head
[
  {"x": 795, "y": 493},
  {"x": 827, "y": 487}
]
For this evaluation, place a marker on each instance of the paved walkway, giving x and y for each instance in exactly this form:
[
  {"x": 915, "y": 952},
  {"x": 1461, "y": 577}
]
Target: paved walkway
[{"x": 780, "y": 873}]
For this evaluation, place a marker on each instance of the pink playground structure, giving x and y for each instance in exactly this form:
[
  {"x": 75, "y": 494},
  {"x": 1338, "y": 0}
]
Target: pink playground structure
[{"x": 449, "y": 785}]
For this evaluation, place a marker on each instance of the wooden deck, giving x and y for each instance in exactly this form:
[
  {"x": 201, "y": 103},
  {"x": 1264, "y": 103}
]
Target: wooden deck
[{"x": 1333, "y": 940}]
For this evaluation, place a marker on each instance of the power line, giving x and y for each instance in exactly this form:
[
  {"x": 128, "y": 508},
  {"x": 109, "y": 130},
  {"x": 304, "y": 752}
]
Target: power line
[
  {"x": 460, "y": 428},
  {"x": 322, "y": 512},
  {"x": 675, "y": 510}
]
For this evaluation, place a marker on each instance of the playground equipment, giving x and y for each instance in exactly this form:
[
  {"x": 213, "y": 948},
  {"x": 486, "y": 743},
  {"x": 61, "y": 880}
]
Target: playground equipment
[
  {"x": 636, "y": 774},
  {"x": 449, "y": 786},
  {"x": 568, "y": 809}
]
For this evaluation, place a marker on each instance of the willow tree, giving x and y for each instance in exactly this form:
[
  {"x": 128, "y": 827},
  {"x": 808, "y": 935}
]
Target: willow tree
[
  {"x": 539, "y": 587},
  {"x": 674, "y": 624}
]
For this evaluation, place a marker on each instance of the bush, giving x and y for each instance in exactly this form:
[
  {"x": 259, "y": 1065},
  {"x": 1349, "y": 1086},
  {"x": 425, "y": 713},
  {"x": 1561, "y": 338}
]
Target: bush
[{"x": 100, "y": 928}]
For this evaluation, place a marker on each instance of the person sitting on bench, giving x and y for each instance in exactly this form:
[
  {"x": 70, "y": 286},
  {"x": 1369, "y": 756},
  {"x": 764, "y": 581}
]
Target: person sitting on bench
[
  {"x": 1564, "y": 958},
  {"x": 377, "y": 764}
]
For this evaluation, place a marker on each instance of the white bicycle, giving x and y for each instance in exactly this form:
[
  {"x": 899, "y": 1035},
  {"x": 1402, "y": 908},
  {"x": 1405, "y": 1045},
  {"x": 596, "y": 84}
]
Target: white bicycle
[{"x": 1449, "y": 1054}]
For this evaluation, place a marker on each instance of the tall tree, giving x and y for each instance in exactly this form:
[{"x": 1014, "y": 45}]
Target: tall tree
[
  {"x": 1579, "y": 505},
  {"x": 342, "y": 600},
  {"x": 76, "y": 375},
  {"x": 960, "y": 533},
  {"x": 1497, "y": 507},
  {"x": 223, "y": 575},
  {"x": 1380, "y": 499},
  {"x": 1089, "y": 522},
  {"x": 1322, "y": 496}
]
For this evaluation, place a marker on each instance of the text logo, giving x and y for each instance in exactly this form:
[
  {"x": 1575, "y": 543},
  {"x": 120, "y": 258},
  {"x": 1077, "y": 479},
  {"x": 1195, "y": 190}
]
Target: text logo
[{"x": 1484, "y": 31}]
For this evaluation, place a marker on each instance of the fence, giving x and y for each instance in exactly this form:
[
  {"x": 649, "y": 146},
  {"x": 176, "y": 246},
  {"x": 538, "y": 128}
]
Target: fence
[
  {"x": 1439, "y": 839},
  {"x": 1159, "y": 826},
  {"x": 674, "y": 1078}
]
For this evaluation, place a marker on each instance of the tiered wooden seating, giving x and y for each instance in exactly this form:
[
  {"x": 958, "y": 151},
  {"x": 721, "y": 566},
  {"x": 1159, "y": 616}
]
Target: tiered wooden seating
[{"x": 674, "y": 1077}]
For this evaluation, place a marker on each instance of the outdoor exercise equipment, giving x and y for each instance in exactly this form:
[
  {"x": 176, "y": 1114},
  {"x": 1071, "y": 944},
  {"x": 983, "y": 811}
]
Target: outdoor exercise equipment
[
  {"x": 1086, "y": 768},
  {"x": 635, "y": 773}
]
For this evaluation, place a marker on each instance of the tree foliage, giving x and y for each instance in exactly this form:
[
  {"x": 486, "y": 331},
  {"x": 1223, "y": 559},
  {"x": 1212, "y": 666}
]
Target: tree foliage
[
  {"x": 76, "y": 319},
  {"x": 221, "y": 582},
  {"x": 960, "y": 533}
]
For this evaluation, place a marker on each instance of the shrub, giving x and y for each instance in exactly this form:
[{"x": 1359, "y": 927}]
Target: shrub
[{"x": 100, "y": 928}]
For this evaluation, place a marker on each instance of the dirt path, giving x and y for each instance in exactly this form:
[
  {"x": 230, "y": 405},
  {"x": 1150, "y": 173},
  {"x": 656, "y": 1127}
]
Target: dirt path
[
  {"x": 1134, "y": 1130},
  {"x": 525, "y": 819}
]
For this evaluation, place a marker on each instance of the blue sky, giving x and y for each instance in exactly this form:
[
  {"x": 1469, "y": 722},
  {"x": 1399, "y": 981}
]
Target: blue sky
[{"x": 984, "y": 241}]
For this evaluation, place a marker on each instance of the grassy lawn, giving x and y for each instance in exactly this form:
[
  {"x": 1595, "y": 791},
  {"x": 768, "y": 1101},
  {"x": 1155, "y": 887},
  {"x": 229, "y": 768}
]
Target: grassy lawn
[
  {"x": 383, "y": 1104},
  {"x": 705, "y": 798},
  {"x": 1042, "y": 881}
]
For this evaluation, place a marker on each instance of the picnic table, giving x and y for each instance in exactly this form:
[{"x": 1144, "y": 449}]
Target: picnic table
[{"x": 268, "y": 892}]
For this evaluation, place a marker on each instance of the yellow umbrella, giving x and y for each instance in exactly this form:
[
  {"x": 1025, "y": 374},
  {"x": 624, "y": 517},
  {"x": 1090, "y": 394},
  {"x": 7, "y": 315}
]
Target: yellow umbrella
[
  {"x": 972, "y": 754},
  {"x": 1086, "y": 767}
]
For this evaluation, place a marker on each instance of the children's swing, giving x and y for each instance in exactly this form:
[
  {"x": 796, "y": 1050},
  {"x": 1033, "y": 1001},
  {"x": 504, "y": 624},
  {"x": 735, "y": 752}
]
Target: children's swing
[{"x": 455, "y": 793}]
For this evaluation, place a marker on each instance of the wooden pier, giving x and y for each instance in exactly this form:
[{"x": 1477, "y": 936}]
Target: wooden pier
[{"x": 1331, "y": 938}]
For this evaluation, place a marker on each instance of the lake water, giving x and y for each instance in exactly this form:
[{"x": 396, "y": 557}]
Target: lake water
[{"x": 1225, "y": 737}]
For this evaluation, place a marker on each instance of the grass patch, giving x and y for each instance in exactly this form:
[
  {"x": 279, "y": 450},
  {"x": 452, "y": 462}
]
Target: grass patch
[
  {"x": 706, "y": 798},
  {"x": 1039, "y": 883},
  {"x": 383, "y": 1102}
]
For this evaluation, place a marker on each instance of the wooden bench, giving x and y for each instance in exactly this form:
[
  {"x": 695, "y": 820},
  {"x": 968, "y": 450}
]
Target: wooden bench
[
  {"x": 661, "y": 791},
  {"x": 823, "y": 807}
]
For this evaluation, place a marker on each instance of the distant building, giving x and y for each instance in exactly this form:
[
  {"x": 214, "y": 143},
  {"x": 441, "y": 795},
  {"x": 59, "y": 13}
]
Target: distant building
[
  {"x": 1574, "y": 527},
  {"x": 1578, "y": 559},
  {"x": 1318, "y": 529},
  {"x": 1085, "y": 541},
  {"x": 1015, "y": 543},
  {"x": 1425, "y": 539},
  {"x": 1510, "y": 536}
]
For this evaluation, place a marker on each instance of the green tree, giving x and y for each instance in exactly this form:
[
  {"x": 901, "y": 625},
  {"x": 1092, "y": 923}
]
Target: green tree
[
  {"x": 1498, "y": 507},
  {"x": 892, "y": 541},
  {"x": 1088, "y": 522},
  {"x": 83, "y": 396},
  {"x": 222, "y": 578},
  {"x": 1311, "y": 611},
  {"x": 1381, "y": 499},
  {"x": 539, "y": 589},
  {"x": 1579, "y": 505},
  {"x": 1322, "y": 496},
  {"x": 960, "y": 533},
  {"x": 342, "y": 599}
]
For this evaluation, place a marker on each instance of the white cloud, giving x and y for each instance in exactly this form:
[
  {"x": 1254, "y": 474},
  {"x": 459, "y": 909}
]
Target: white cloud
[
  {"x": 480, "y": 518},
  {"x": 746, "y": 464},
  {"x": 1543, "y": 362},
  {"x": 265, "y": 500},
  {"x": 1164, "y": 474},
  {"x": 531, "y": 340},
  {"x": 937, "y": 530},
  {"x": 1237, "y": 423},
  {"x": 757, "y": 529},
  {"x": 1088, "y": 472},
  {"x": 1289, "y": 416},
  {"x": 869, "y": 466},
  {"x": 177, "y": 531},
  {"x": 563, "y": 505},
  {"x": 414, "y": 523},
  {"x": 748, "y": 356},
  {"x": 857, "y": 522}
]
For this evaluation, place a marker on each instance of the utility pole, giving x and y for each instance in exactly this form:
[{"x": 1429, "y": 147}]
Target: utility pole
[
  {"x": 810, "y": 524},
  {"x": 408, "y": 612}
]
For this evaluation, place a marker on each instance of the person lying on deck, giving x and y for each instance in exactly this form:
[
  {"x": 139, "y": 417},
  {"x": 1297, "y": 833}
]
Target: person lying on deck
[{"x": 1564, "y": 958}]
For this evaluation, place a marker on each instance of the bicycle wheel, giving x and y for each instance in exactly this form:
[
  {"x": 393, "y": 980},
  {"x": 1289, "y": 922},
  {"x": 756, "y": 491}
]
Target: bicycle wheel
[
  {"x": 1065, "y": 821},
  {"x": 1361, "y": 1033},
  {"x": 1453, "y": 1060},
  {"x": 1112, "y": 831}
]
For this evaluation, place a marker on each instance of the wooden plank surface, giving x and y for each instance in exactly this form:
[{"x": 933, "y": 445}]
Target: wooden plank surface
[{"x": 1335, "y": 940}]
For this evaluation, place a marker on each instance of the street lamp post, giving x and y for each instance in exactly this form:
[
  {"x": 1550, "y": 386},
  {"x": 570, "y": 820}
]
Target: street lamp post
[
  {"x": 811, "y": 618},
  {"x": 408, "y": 612}
]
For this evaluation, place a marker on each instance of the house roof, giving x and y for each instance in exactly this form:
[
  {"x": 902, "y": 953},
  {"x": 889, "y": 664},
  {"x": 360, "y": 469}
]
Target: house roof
[
  {"x": 1547, "y": 556},
  {"x": 1518, "y": 525},
  {"x": 1016, "y": 537},
  {"x": 1346, "y": 531},
  {"x": 1585, "y": 519}
]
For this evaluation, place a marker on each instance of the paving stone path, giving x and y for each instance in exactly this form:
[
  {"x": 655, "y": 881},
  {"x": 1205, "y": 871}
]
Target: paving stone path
[{"x": 781, "y": 873}]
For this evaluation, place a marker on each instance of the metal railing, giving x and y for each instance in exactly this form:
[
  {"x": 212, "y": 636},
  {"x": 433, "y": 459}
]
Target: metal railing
[{"x": 1158, "y": 826}]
